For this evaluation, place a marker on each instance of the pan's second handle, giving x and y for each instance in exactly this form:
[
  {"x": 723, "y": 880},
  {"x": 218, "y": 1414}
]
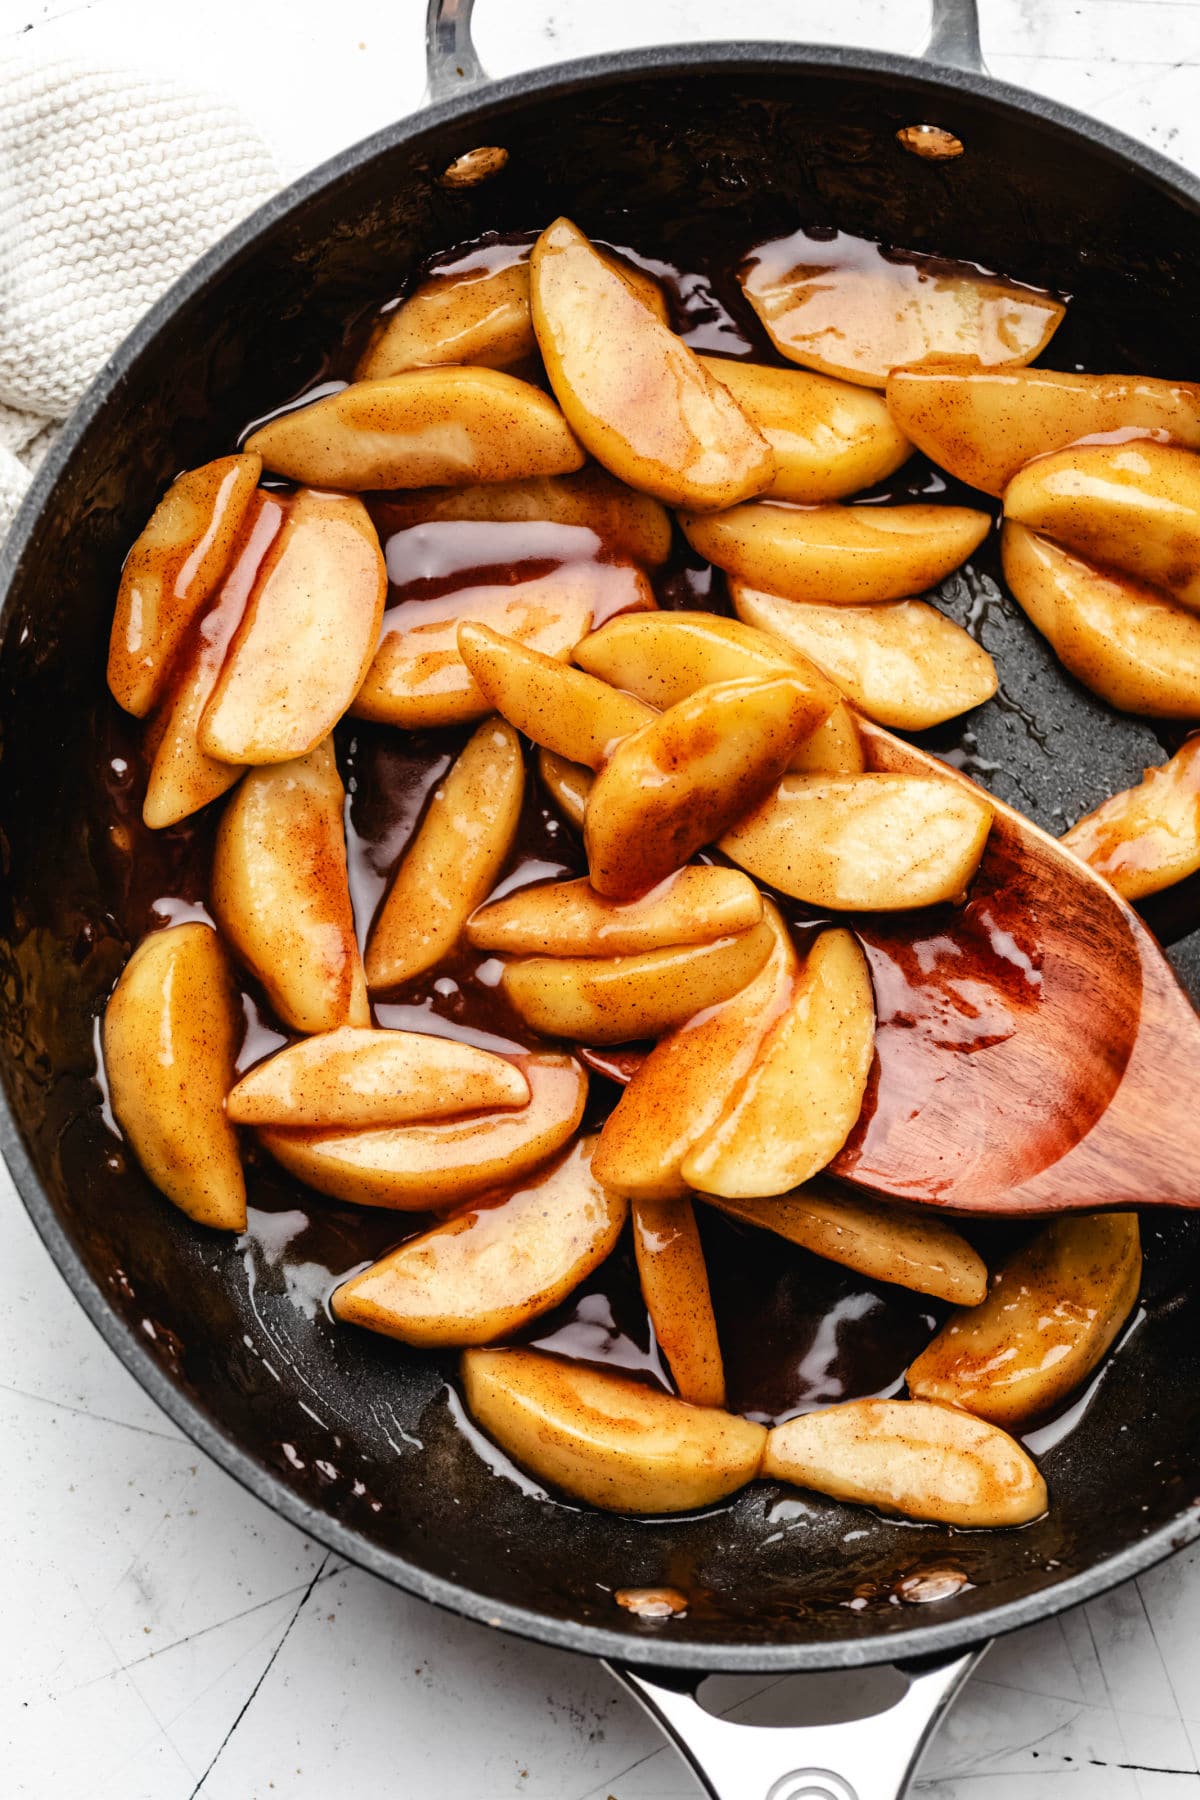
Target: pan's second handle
[
  {"x": 863, "y": 1759},
  {"x": 453, "y": 63}
]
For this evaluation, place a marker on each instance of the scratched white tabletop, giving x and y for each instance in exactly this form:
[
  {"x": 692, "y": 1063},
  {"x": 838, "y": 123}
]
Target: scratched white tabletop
[{"x": 164, "y": 1636}]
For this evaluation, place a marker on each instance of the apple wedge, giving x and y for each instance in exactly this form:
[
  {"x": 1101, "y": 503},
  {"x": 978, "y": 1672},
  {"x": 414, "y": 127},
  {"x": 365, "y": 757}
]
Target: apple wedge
[
  {"x": 171, "y": 572},
  {"x": 835, "y": 748},
  {"x": 864, "y": 843},
  {"x": 1146, "y": 838},
  {"x": 419, "y": 1168},
  {"x": 454, "y": 860},
  {"x": 1127, "y": 642},
  {"x": 444, "y": 427},
  {"x": 491, "y": 1268},
  {"x": 853, "y": 310},
  {"x": 680, "y": 781},
  {"x": 801, "y": 1097},
  {"x": 281, "y": 896},
  {"x": 830, "y": 438},
  {"x": 306, "y": 639},
  {"x": 183, "y": 777},
  {"x": 902, "y": 662},
  {"x": 627, "y": 524},
  {"x": 569, "y": 918},
  {"x": 663, "y": 657},
  {"x": 633, "y": 393},
  {"x": 838, "y": 555},
  {"x": 674, "y": 1282},
  {"x": 619, "y": 999},
  {"x": 616, "y": 1443},
  {"x": 572, "y": 714},
  {"x": 567, "y": 783},
  {"x": 355, "y": 1077},
  {"x": 982, "y": 425},
  {"x": 419, "y": 680},
  {"x": 1053, "y": 1311},
  {"x": 912, "y": 1247},
  {"x": 171, "y": 1032},
  {"x": 1133, "y": 507},
  {"x": 907, "y": 1457},
  {"x": 682, "y": 1088}
]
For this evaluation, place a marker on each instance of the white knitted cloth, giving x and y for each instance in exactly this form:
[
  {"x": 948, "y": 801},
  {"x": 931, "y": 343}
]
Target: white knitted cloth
[{"x": 111, "y": 183}]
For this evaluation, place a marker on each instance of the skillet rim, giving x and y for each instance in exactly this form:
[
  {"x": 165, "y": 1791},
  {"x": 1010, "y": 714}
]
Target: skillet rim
[{"x": 477, "y": 104}]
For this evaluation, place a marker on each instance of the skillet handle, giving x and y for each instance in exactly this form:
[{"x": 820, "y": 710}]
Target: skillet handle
[
  {"x": 861, "y": 1759},
  {"x": 452, "y": 62}
]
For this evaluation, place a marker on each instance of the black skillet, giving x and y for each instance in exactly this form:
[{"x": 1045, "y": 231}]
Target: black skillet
[{"x": 357, "y": 1442}]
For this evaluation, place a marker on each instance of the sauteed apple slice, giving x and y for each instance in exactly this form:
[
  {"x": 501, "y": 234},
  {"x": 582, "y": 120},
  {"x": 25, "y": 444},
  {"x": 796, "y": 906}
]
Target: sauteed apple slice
[
  {"x": 907, "y": 1457},
  {"x": 835, "y": 748},
  {"x": 577, "y": 717},
  {"x": 568, "y": 784},
  {"x": 681, "y": 780},
  {"x": 491, "y": 1268},
  {"x": 453, "y": 861},
  {"x": 356, "y": 1077},
  {"x": 171, "y": 1032},
  {"x": 281, "y": 896},
  {"x": 982, "y": 425},
  {"x": 606, "y": 1439},
  {"x": 172, "y": 570},
  {"x": 901, "y": 662},
  {"x": 840, "y": 555},
  {"x": 864, "y": 843},
  {"x": 856, "y": 311},
  {"x": 626, "y": 523},
  {"x": 445, "y": 427},
  {"x": 1133, "y": 506},
  {"x": 618, "y": 999},
  {"x": 1053, "y": 1311},
  {"x": 800, "y": 1098},
  {"x": 1127, "y": 642},
  {"x": 664, "y": 657},
  {"x": 915, "y": 1249},
  {"x": 1146, "y": 838},
  {"x": 569, "y": 918},
  {"x": 632, "y": 392},
  {"x": 674, "y": 1283},
  {"x": 307, "y": 637},
  {"x": 416, "y": 1168}
]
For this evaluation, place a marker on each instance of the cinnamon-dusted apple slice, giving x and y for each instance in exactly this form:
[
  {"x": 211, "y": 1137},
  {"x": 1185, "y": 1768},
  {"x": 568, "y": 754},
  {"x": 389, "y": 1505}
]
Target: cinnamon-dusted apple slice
[
  {"x": 835, "y": 748},
  {"x": 830, "y": 438},
  {"x": 171, "y": 572},
  {"x": 674, "y": 1283},
  {"x": 605, "y": 1439},
  {"x": 633, "y": 393},
  {"x": 853, "y": 310},
  {"x": 627, "y": 524},
  {"x": 453, "y": 861},
  {"x": 445, "y": 427},
  {"x": 418, "y": 1168},
  {"x": 1127, "y": 642},
  {"x": 419, "y": 680},
  {"x": 680, "y": 781},
  {"x": 902, "y": 662},
  {"x": 1146, "y": 838},
  {"x": 569, "y": 918},
  {"x": 572, "y": 714},
  {"x": 910, "y": 1246},
  {"x": 281, "y": 895},
  {"x": 838, "y": 555},
  {"x": 356, "y": 1077},
  {"x": 864, "y": 843},
  {"x": 682, "y": 1088},
  {"x": 1053, "y": 1311},
  {"x": 567, "y": 783},
  {"x": 907, "y": 1457},
  {"x": 490, "y": 1269},
  {"x": 619, "y": 999},
  {"x": 183, "y": 777},
  {"x": 171, "y": 1032},
  {"x": 802, "y": 1095},
  {"x": 982, "y": 425},
  {"x": 1133, "y": 507},
  {"x": 307, "y": 637}
]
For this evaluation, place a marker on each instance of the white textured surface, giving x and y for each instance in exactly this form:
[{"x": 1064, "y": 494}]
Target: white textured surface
[{"x": 163, "y": 1635}]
